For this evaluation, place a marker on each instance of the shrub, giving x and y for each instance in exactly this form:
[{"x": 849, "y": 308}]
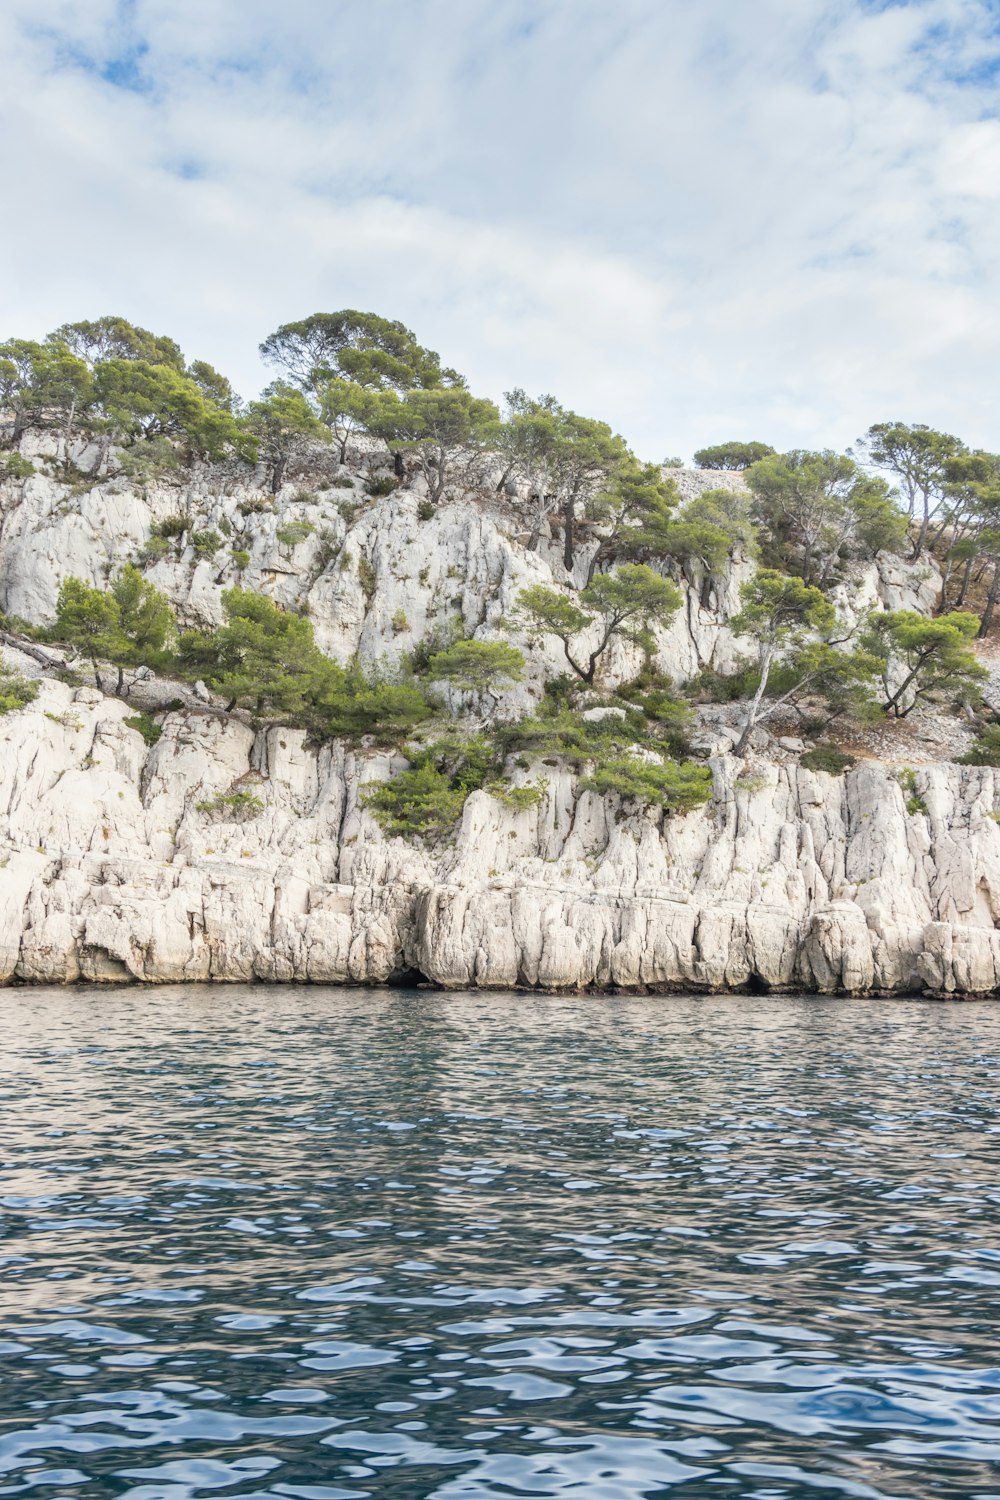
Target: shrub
[
  {"x": 434, "y": 642},
  {"x": 671, "y": 717},
  {"x": 907, "y": 779},
  {"x": 827, "y": 758},
  {"x": 294, "y": 532},
  {"x": 341, "y": 483},
  {"x": 380, "y": 484},
  {"x": 607, "y": 750},
  {"x": 367, "y": 578},
  {"x": 711, "y": 686},
  {"x": 352, "y": 706},
  {"x": 146, "y": 726},
  {"x": 16, "y": 467},
  {"x": 15, "y": 689},
  {"x": 152, "y": 459},
  {"x": 241, "y": 558},
  {"x": 233, "y": 807},
  {"x": 205, "y": 543},
  {"x": 559, "y": 732},
  {"x": 985, "y": 749},
  {"x": 420, "y": 803},
  {"x": 400, "y": 623},
  {"x": 170, "y": 526},
  {"x": 347, "y": 510},
  {"x": 672, "y": 785},
  {"x": 425, "y": 509},
  {"x": 426, "y": 800},
  {"x": 155, "y": 550},
  {"x": 517, "y": 798},
  {"x": 749, "y": 783},
  {"x": 732, "y": 455}
]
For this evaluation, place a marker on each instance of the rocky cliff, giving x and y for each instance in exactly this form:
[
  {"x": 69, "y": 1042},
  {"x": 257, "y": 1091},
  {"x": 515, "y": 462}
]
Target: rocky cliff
[{"x": 117, "y": 860}]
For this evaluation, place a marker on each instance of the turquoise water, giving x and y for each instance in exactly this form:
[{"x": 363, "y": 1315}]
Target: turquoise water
[{"x": 331, "y": 1244}]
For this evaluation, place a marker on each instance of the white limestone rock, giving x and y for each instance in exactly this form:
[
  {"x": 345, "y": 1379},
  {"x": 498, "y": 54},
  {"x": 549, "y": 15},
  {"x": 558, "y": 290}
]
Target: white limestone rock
[
  {"x": 119, "y": 861},
  {"x": 109, "y": 870}
]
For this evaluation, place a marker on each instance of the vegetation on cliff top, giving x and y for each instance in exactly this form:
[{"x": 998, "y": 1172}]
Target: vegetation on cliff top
[{"x": 115, "y": 394}]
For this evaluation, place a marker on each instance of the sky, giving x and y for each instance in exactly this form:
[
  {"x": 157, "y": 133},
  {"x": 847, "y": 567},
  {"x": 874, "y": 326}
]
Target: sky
[{"x": 696, "y": 219}]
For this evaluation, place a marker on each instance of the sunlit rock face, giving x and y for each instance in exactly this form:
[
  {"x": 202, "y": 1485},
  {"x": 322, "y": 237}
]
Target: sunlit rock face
[
  {"x": 111, "y": 868},
  {"x": 110, "y": 871}
]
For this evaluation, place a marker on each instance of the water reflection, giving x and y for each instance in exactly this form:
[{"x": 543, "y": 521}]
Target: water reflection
[{"x": 318, "y": 1244}]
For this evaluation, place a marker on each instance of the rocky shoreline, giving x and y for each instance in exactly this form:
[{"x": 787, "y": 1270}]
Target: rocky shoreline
[{"x": 788, "y": 880}]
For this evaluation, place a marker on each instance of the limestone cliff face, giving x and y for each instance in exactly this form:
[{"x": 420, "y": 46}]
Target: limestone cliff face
[
  {"x": 109, "y": 870},
  {"x": 791, "y": 879},
  {"x": 375, "y": 578}
]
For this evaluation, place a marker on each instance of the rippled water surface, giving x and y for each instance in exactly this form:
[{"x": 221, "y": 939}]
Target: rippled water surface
[{"x": 335, "y": 1244}]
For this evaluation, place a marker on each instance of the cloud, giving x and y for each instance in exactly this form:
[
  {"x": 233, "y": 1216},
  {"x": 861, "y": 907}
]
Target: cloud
[{"x": 776, "y": 220}]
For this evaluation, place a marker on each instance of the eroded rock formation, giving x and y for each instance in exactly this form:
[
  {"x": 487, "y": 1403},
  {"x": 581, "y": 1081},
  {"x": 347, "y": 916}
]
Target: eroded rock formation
[{"x": 110, "y": 869}]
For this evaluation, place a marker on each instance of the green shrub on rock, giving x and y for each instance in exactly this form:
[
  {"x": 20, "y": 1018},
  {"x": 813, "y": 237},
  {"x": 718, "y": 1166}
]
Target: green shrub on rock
[
  {"x": 985, "y": 749},
  {"x": 15, "y": 689},
  {"x": 674, "y": 786},
  {"x": 517, "y": 798},
  {"x": 294, "y": 532},
  {"x": 418, "y": 803},
  {"x": 143, "y": 724},
  {"x": 13, "y": 466},
  {"x": 231, "y": 807},
  {"x": 380, "y": 485},
  {"x": 827, "y": 758},
  {"x": 426, "y": 800},
  {"x": 205, "y": 543}
]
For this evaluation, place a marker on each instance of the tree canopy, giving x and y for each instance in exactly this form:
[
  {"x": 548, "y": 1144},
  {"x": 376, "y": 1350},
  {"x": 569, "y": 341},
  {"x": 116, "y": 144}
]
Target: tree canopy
[
  {"x": 732, "y": 455},
  {"x": 791, "y": 622},
  {"x": 360, "y": 347},
  {"x": 626, "y": 604},
  {"x": 124, "y": 383},
  {"x": 129, "y": 624},
  {"x": 817, "y": 509},
  {"x": 924, "y": 660},
  {"x": 283, "y": 426},
  {"x": 919, "y": 457}
]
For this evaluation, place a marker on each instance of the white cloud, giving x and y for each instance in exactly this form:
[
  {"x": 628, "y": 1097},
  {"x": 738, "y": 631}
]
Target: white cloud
[{"x": 776, "y": 220}]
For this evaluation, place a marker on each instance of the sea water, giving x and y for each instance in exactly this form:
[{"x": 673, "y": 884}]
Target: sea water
[{"x": 300, "y": 1242}]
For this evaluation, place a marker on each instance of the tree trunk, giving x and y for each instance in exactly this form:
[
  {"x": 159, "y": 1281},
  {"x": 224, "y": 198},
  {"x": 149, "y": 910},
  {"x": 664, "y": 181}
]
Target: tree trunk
[
  {"x": 603, "y": 552},
  {"x": 754, "y": 709},
  {"x": 103, "y": 449},
  {"x": 966, "y": 580},
  {"x": 587, "y": 676},
  {"x": 67, "y": 432},
  {"x": 893, "y": 702},
  {"x": 569, "y": 539},
  {"x": 987, "y": 620},
  {"x": 918, "y": 545}
]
